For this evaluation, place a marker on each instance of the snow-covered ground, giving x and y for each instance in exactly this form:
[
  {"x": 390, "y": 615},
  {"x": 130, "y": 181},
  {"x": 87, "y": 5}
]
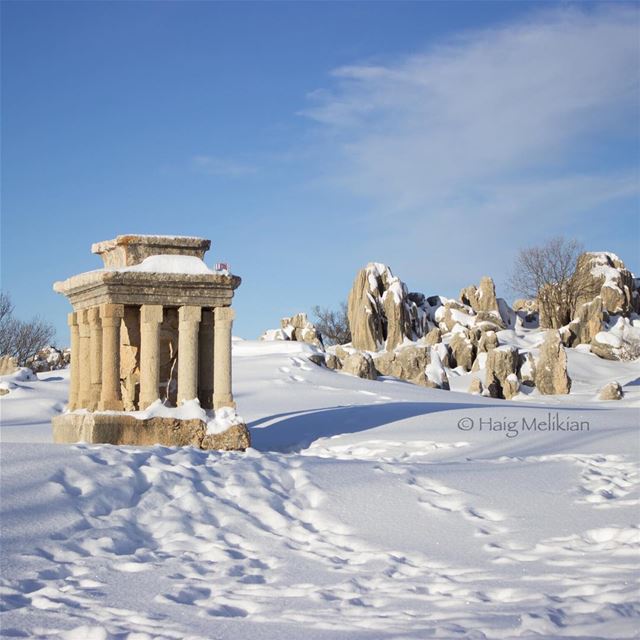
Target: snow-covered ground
[{"x": 366, "y": 509}]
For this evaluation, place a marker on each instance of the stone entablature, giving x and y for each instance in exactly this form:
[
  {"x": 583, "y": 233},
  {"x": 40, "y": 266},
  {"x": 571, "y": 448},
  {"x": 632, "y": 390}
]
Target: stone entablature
[{"x": 142, "y": 336}]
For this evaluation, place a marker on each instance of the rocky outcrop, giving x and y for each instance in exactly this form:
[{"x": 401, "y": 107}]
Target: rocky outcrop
[
  {"x": 611, "y": 391},
  {"x": 49, "y": 359},
  {"x": 381, "y": 312},
  {"x": 551, "y": 376},
  {"x": 488, "y": 340},
  {"x": 433, "y": 337},
  {"x": 296, "y": 328},
  {"x": 481, "y": 298},
  {"x": 604, "y": 274},
  {"x": 501, "y": 379},
  {"x": 299, "y": 328}
]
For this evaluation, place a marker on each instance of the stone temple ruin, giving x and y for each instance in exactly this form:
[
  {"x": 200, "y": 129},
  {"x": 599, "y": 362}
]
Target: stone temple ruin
[{"x": 150, "y": 335}]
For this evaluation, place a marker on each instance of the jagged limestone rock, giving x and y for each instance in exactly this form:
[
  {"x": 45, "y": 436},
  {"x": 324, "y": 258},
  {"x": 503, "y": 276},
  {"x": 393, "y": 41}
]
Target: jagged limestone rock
[
  {"x": 407, "y": 363},
  {"x": 501, "y": 378},
  {"x": 332, "y": 361},
  {"x": 476, "y": 387},
  {"x": 611, "y": 391},
  {"x": 482, "y": 298},
  {"x": 551, "y": 376},
  {"x": 488, "y": 341}
]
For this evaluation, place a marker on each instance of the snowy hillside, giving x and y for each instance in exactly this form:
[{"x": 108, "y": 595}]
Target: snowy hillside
[{"x": 365, "y": 509}]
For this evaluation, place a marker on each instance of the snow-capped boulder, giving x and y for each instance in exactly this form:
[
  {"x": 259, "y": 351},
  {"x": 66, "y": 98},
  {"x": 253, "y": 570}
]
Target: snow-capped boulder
[
  {"x": 488, "y": 341},
  {"x": 551, "y": 376},
  {"x": 620, "y": 339},
  {"x": 296, "y": 328},
  {"x": 49, "y": 359},
  {"x": 501, "y": 379},
  {"x": 611, "y": 391},
  {"x": 604, "y": 274}
]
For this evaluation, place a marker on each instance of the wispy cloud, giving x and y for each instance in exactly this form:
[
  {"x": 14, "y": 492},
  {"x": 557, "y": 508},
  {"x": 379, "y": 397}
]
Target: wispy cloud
[
  {"x": 219, "y": 166},
  {"x": 494, "y": 123}
]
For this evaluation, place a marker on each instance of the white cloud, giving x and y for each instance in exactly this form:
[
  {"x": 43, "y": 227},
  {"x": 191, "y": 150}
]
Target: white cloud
[
  {"x": 218, "y": 166},
  {"x": 493, "y": 123}
]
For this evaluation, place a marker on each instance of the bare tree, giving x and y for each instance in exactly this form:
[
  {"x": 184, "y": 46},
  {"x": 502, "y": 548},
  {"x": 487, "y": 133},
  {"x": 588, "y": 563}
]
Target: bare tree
[
  {"x": 549, "y": 273},
  {"x": 18, "y": 339},
  {"x": 333, "y": 325}
]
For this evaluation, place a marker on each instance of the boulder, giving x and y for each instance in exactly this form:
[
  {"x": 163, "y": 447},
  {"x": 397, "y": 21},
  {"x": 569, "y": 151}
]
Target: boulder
[
  {"x": 606, "y": 345},
  {"x": 587, "y": 323},
  {"x": 551, "y": 375},
  {"x": 359, "y": 364},
  {"x": 332, "y": 361},
  {"x": 49, "y": 359},
  {"x": 407, "y": 363},
  {"x": 476, "y": 386},
  {"x": 501, "y": 378},
  {"x": 488, "y": 341},
  {"x": 611, "y": 391},
  {"x": 463, "y": 351}
]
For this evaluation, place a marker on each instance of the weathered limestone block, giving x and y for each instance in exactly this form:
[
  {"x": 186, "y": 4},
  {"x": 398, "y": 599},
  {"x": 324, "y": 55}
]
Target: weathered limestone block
[
  {"x": 611, "y": 391},
  {"x": 332, "y": 361},
  {"x": 476, "y": 386},
  {"x": 606, "y": 346},
  {"x": 463, "y": 350},
  {"x": 501, "y": 372},
  {"x": 488, "y": 341},
  {"x": 551, "y": 375},
  {"x": 407, "y": 363},
  {"x": 359, "y": 364},
  {"x": 121, "y": 429}
]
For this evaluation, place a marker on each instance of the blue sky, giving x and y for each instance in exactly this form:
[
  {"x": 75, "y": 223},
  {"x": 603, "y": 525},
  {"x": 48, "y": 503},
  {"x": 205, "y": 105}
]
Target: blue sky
[{"x": 306, "y": 139}]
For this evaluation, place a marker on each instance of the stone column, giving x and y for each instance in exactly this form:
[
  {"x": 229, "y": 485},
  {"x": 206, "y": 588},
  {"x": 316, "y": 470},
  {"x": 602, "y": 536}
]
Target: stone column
[
  {"x": 84, "y": 391},
  {"x": 189, "y": 321},
  {"x": 74, "y": 382},
  {"x": 150, "y": 321},
  {"x": 95, "y": 355},
  {"x": 222, "y": 395},
  {"x": 205, "y": 360},
  {"x": 111, "y": 394}
]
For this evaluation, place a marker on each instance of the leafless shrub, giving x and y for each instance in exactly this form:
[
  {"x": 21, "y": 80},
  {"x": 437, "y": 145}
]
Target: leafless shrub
[
  {"x": 549, "y": 274},
  {"x": 19, "y": 339},
  {"x": 333, "y": 325}
]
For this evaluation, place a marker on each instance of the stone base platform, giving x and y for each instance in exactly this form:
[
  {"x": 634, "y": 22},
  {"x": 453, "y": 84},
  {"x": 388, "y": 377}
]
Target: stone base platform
[{"x": 122, "y": 429}]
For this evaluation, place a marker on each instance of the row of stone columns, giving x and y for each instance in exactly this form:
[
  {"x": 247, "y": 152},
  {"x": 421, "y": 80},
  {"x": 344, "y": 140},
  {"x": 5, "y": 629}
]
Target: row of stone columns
[{"x": 204, "y": 356}]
